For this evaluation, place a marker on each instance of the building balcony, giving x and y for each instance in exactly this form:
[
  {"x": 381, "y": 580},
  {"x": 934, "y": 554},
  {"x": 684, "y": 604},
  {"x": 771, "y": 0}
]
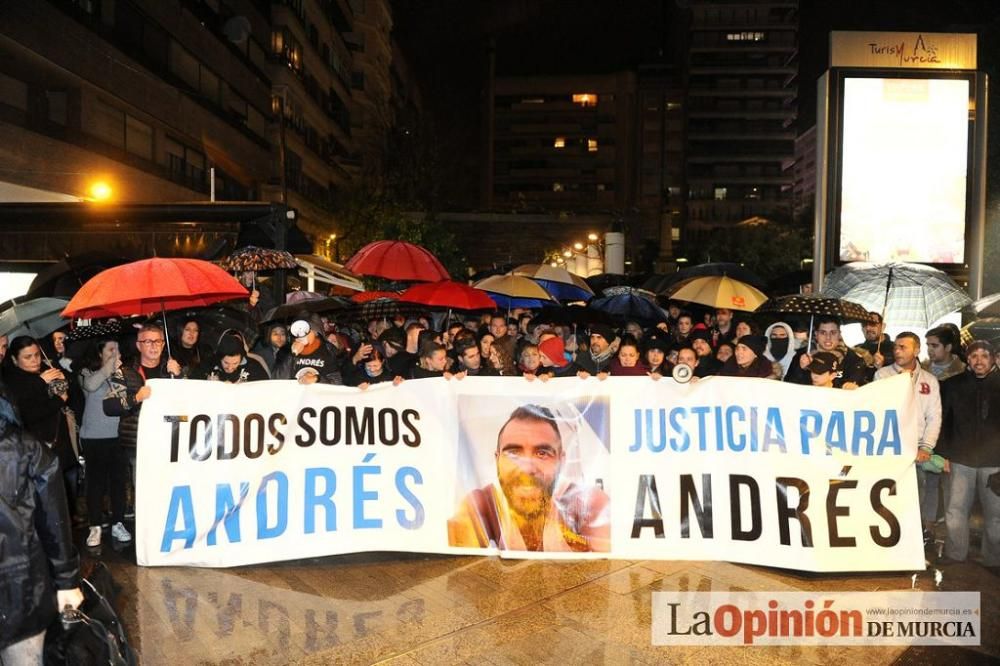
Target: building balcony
[
  {"x": 773, "y": 114},
  {"x": 741, "y": 68},
  {"x": 742, "y": 92},
  {"x": 722, "y": 181},
  {"x": 776, "y": 135},
  {"x": 756, "y": 158}
]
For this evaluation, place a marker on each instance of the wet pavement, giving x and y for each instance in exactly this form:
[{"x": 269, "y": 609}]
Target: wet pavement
[{"x": 424, "y": 609}]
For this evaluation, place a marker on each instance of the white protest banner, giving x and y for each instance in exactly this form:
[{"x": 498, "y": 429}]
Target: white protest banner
[{"x": 743, "y": 470}]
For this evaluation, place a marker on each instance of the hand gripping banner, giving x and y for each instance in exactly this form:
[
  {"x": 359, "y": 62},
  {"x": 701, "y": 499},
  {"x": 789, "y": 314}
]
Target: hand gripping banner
[{"x": 742, "y": 470}]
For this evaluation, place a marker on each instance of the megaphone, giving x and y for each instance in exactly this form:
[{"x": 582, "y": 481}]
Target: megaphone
[{"x": 682, "y": 373}]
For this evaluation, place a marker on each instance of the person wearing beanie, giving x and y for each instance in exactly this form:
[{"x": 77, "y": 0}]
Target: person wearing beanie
[
  {"x": 657, "y": 349},
  {"x": 554, "y": 361},
  {"x": 231, "y": 364},
  {"x": 749, "y": 361},
  {"x": 603, "y": 347},
  {"x": 970, "y": 430},
  {"x": 700, "y": 341}
]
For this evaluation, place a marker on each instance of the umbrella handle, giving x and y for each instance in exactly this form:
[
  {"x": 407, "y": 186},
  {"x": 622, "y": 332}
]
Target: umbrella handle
[
  {"x": 166, "y": 333},
  {"x": 809, "y": 340}
]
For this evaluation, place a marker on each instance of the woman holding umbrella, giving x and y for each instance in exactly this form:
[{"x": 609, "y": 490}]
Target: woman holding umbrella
[{"x": 40, "y": 393}]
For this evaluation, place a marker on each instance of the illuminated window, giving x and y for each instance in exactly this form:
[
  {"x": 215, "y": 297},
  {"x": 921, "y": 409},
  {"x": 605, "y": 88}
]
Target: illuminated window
[
  {"x": 557, "y": 187},
  {"x": 559, "y": 142},
  {"x": 585, "y": 99},
  {"x": 720, "y": 193},
  {"x": 675, "y": 234},
  {"x": 600, "y": 187},
  {"x": 591, "y": 145},
  {"x": 746, "y": 36}
]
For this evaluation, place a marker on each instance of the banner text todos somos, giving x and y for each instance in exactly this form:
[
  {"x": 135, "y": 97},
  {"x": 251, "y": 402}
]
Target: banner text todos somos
[{"x": 743, "y": 470}]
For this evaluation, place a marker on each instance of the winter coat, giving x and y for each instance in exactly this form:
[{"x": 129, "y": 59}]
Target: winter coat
[
  {"x": 852, "y": 370},
  {"x": 37, "y": 556},
  {"x": 970, "y": 420},
  {"x": 41, "y": 414},
  {"x": 761, "y": 367},
  {"x": 121, "y": 402}
]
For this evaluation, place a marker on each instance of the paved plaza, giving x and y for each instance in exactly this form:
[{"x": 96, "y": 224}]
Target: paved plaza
[{"x": 417, "y": 609}]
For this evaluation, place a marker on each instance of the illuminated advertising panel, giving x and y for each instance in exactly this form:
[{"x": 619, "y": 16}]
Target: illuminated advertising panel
[{"x": 905, "y": 157}]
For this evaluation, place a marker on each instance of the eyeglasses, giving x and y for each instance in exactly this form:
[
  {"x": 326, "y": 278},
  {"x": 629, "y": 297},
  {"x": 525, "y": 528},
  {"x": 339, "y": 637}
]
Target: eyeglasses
[{"x": 151, "y": 343}]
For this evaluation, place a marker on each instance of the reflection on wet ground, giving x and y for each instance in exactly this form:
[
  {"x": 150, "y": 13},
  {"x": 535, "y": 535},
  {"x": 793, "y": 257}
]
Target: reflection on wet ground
[{"x": 424, "y": 609}]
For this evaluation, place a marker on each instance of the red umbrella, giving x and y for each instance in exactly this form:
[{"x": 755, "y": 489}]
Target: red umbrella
[
  {"x": 448, "y": 294},
  {"x": 397, "y": 260},
  {"x": 153, "y": 285},
  {"x": 366, "y": 296}
]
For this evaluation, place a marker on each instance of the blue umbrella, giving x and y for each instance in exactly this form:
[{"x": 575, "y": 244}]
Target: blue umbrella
[
  {"x": 565, "y": 292},
  {"x": 626, "y": 303},
  {"x": 510, "y": 302}
]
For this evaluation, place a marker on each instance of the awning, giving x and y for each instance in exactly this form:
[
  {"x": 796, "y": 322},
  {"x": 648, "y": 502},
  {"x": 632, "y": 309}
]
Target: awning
[
  {"x": 314, "y": 267},
  {"x": 12, "y": 192}
]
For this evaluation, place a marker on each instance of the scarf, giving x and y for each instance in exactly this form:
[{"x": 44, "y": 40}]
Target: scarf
[{"x": 607, "y": 353}]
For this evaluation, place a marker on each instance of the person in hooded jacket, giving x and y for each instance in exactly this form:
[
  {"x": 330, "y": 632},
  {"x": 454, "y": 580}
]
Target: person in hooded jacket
[
  {"x": 310, "y": 358},
  {"x": 231, "y": 364},
  {"x": 275, "y": 339},
  {"x": 780, "y": 345},
  {"x": 39, "y": 567},
  {"x": 552, "y": 354}
]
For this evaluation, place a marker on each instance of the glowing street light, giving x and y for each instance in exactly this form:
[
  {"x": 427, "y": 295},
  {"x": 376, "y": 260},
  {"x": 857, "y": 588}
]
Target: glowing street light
[
  {"x": 592, "y": 237},
  {"x": 577, "y": 246},
  {"x": 100, "y": 191}
]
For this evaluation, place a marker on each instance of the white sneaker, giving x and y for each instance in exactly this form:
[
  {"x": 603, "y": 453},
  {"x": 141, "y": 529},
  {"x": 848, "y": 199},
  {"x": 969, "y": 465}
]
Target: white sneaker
[
  {"x": 94, "y": 538},
  {"x": 119, "y": 533}
]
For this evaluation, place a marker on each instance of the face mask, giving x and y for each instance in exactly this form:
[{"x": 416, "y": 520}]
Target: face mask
[{"x": 779, "y": 347}]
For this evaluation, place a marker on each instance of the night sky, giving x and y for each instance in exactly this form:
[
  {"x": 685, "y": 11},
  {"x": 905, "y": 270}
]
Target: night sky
[{"x": 446, "y": 42}]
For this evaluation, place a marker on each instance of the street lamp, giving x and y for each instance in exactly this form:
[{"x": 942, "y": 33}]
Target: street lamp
[{"x": 100, "y": 191}]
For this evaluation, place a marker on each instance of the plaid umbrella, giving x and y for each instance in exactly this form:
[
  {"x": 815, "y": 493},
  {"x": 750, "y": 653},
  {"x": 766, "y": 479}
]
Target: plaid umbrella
[
  {"x": 252, "y": 258},
  {"x": 906, "y": 294}
]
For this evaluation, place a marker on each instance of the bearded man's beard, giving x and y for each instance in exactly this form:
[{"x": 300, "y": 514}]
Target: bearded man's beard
[{"x": 527, "y": 495}]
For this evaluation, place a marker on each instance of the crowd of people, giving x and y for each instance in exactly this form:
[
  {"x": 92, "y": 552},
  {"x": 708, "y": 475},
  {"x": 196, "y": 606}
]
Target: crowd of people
[{"x": 83, "y": 400}]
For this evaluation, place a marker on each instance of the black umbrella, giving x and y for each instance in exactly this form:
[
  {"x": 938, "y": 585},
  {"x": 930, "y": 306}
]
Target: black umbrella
[
  {"x": 317, "y": 305},
  {"x": 982, "y": 329},
  {"x": 64, "y": 278},
  {"x": 110, "y": 328},
  {"x": 731, "y": 270},
  {"x": 603, "y": 281},
  {"x": 814, "y": 306},
  {"x": 627, "y": 303}
]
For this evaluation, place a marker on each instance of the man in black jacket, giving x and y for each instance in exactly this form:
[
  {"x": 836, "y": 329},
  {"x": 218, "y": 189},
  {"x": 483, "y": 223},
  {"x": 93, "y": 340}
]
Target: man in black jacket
[
  {"x": 970, "y": 440},
  {"x": 852, "y": 373},
  {"x": 39, "y": 567},
  {"x": 310, "y": 358}
]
